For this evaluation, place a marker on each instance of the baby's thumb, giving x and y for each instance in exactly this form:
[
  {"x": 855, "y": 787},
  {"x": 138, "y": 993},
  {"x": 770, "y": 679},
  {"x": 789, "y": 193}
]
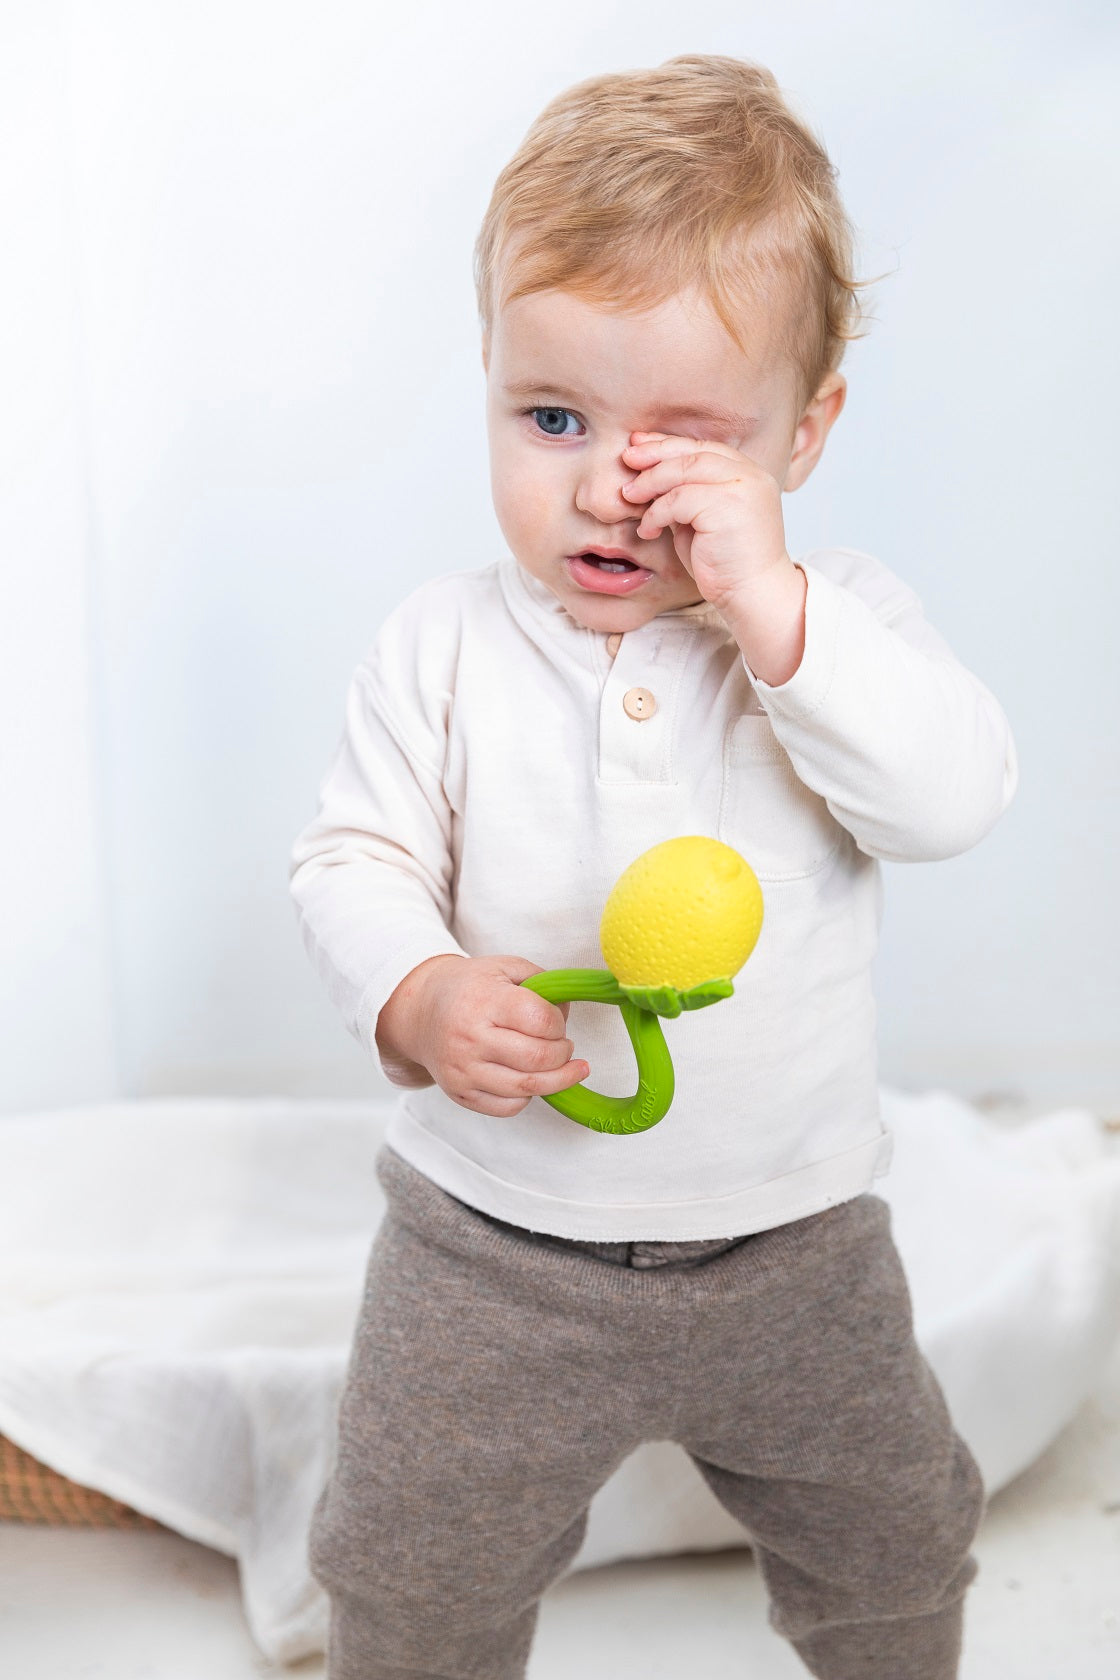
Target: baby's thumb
[{"x": 518, "y": 969}]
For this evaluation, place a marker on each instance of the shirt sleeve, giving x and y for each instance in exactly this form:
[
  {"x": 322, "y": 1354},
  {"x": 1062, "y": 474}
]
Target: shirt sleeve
[
  {"x": 371, "y": 874},
  {"x": 910, "y": 751}
]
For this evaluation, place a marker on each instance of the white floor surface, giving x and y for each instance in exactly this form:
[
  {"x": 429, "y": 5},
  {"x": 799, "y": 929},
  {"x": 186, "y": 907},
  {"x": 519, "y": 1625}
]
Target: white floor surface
[{"x": 80, "y": 1605}]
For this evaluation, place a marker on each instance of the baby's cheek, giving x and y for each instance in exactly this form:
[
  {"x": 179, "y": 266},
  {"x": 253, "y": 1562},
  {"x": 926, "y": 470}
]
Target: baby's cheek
[{"x": 526, "y": 505}]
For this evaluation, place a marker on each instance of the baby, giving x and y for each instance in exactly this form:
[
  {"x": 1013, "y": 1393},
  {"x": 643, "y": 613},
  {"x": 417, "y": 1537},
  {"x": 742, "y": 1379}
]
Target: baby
[{"x": 665, "y": 291}]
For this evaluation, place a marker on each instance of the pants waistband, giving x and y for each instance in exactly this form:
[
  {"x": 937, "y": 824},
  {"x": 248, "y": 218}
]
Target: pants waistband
[{"x": 640, "y": 1254}]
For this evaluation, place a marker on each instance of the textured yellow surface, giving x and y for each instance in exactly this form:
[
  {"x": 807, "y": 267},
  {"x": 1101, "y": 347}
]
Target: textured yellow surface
[{"x": 686, "y": 911}]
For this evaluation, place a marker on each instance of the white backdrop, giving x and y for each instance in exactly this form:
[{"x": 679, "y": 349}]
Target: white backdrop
[{"x": 241, "y": 415}]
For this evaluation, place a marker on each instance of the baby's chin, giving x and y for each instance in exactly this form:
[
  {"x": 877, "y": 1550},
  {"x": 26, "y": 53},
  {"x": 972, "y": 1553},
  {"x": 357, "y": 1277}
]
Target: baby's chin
[
  {"x": 628, "y": 611},
  {"x": 611, "y": 615}
]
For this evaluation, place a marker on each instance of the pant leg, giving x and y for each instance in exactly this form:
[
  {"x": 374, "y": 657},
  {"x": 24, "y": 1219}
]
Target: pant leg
[
  {"x": 822, "y": 1429},
  {"x": 493, "y": 1387}
]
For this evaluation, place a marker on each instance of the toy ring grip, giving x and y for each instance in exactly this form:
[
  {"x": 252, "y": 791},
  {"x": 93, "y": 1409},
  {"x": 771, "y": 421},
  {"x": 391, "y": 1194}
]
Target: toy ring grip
[
  {"x": 650, "y": 1102},
  {"x": 640, "y": 1007}
]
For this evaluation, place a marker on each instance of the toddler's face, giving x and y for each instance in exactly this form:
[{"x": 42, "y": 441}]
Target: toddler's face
[{"x": 567, "y": 383}]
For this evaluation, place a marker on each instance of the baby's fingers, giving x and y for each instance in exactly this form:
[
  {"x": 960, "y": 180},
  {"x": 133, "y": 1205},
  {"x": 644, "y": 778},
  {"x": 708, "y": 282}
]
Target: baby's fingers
[
  {"x": 509, "y": 1082},
  {"x": 536, "y": 1067},
  {"x": 504, "y": 1092},
  {"x": 525, "y": 1056}
]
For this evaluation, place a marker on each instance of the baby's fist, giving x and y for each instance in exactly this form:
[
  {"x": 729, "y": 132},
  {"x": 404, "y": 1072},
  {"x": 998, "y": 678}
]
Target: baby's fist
[{"x": 488, "y": 1042}]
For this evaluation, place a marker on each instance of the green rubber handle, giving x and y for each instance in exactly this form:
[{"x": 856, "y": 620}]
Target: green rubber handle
[{"x": 650, "y": 1102}]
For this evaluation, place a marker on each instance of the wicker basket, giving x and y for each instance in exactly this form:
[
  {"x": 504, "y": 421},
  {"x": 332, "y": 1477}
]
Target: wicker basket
[{"x": 32, "y": 1493}]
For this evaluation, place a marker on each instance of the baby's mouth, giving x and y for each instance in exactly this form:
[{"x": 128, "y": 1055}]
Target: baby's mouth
[
  {"x": 609, "y": 565},
  {"x": 617, "y": 563},
  {"x": 605, "y": 576}
]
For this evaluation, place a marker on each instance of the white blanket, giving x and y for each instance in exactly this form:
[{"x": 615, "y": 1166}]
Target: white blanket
[{"x": 179, "y": 1279}]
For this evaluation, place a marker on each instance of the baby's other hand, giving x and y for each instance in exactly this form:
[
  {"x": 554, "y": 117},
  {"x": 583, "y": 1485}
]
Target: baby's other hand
[{"x": 487, "y": 1041}]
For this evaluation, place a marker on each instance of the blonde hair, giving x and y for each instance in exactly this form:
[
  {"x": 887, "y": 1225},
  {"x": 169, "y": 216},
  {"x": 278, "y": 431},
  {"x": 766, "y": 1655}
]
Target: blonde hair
[{"x": 633, "y": 186}]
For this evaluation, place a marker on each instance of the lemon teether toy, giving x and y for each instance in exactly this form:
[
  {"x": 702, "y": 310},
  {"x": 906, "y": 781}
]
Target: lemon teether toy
[{"x": 679, "y": 922}]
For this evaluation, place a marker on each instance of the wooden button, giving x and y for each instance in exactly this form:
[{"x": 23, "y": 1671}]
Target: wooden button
[
  {"x": 614, "y": 642},
  {"x": 638, "y": 703}
]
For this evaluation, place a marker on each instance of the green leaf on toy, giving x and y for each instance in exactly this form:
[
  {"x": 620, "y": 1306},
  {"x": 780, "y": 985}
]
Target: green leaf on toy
[
  {"x": 670, "y": 1002},
  {"x": 710, "y": 991}
]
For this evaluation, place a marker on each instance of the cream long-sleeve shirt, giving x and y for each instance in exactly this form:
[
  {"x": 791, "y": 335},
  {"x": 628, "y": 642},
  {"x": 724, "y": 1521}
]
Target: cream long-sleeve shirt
[{"x": 492, "y": 782}]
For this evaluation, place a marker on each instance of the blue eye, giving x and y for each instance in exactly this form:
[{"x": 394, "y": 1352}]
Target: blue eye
[{"x": 551, "y": 416}]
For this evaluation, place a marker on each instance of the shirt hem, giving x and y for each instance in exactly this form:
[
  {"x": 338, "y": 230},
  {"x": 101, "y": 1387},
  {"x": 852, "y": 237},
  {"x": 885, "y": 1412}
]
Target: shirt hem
[{"x": 759, "y": 1207}]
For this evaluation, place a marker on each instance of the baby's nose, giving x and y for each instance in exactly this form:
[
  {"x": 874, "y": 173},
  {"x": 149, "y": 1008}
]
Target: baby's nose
[{"x": 599, "y": 492}]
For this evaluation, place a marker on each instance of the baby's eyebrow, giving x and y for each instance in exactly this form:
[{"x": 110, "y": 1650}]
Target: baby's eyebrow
[{"x": 714, "y": 412}]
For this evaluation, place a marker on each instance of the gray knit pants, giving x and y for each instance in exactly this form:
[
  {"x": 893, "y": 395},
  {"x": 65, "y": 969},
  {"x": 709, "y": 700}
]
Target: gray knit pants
[{"x": 497, "y": 1379}]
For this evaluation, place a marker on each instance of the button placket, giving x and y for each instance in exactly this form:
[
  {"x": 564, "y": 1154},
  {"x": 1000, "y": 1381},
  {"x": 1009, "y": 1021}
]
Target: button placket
[{"x": 636, "y": 710}]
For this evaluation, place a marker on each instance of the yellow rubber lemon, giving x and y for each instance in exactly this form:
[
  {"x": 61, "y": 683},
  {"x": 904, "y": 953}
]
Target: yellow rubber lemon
[{"x": 686, "y": 911}]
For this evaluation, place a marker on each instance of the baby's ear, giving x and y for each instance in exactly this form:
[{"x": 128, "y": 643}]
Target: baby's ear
[
  {"x": 485, "y": 356},
  {"x": 813, "y": 429}
]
